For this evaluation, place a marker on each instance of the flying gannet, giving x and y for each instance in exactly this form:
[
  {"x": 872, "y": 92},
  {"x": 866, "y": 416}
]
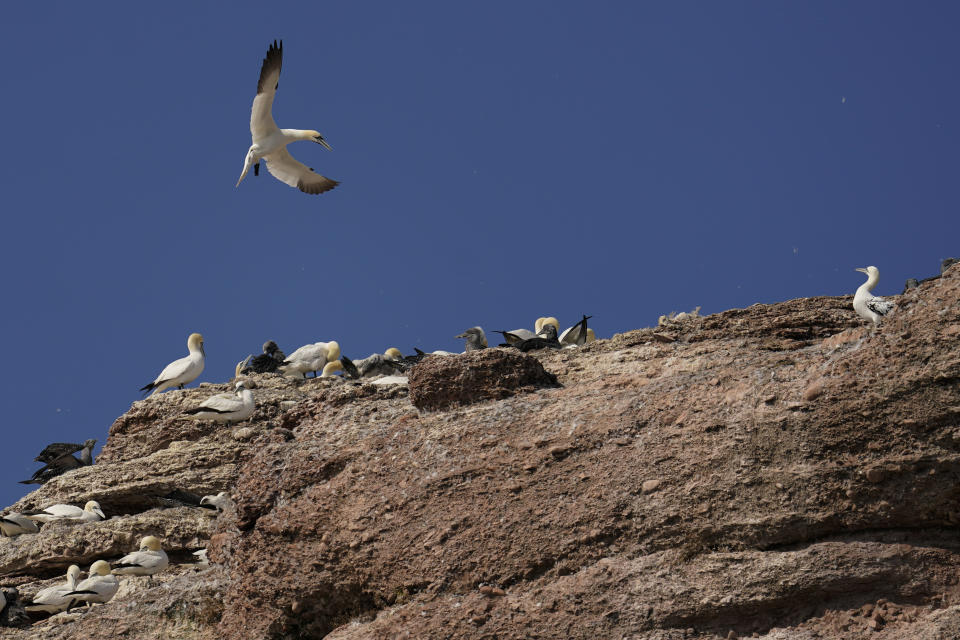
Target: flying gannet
[
  {"x": 59, "y": 459},
  {"x": 15, "y": 524},
  {"x": 475, "y": 337},
  {"x": 270, "y": 142},
  {"x": 150, "y": 559},
  {"x": 100, "y": 586},
  {"x": 226, "y": 407},
  {"x": 310, "y": 357},
  {"x": 56, "y": 598},
  {"x": 91, "y": 512},
  {"x": 867, "y": 305},
  {"x": 180, "y": 372}
]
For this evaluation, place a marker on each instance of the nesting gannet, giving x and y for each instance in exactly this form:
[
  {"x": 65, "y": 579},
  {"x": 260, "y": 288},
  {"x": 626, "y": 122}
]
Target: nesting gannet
[
  {"x": 545, "y": 339},
  {"x": 226, "y": 407},
  {"x": 100, "y": 586},
  {"x": 270, "y": 142},
  {"x": 220, "y": 502},
  {"x": 310, "y": 357},
  {"x": 867, "y": 305},
  {"x": 575, "y": 335},
  {"x": 16, "y": 524},
  {"x": 267, "y": 362},
  {"x": 201, "y": 556},
  {"x": 331, "y": 369},
  {"x": 376, "y": 364},
  {"x": 60, "y": 459},
  {"x": 476, "y": 339},
  {"x": 56, "y": 598},
  {"x": 180, "y": 372},
  {"x": 150, "y": 559},
  {"x": 91, "y": 512}
]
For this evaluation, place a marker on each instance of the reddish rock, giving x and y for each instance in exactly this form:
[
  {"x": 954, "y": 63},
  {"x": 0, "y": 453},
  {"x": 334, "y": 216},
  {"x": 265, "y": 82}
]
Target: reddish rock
[{"x": 439, "y": 382}]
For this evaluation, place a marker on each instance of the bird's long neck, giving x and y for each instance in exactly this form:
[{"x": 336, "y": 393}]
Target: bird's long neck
[
  {"x": 872, "y": 280},
  {"x": 296, "y": 134}
]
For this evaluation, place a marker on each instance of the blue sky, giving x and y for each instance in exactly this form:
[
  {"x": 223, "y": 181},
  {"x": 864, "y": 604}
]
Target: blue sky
[{"x": 499, "y": 161}]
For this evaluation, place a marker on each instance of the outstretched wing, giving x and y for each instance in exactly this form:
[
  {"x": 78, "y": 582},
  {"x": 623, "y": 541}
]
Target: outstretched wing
[
  {"x": 286, "y": 169},
  {"x": 261, "y": 115},
  {"x": 53, "y": 451}
]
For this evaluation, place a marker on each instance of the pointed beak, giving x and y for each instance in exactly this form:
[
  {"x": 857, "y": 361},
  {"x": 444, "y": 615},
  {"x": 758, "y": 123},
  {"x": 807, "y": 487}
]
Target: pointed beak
[
  {"x": 100, "y": 513},
  {"x": 860, "y": 269},
  {"x": 326, "y": 145},
  {"x": 202, "y": 351}
]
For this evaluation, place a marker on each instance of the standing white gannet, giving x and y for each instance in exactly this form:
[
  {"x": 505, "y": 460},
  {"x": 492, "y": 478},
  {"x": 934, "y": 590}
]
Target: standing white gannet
[
  {"x": 15, "y": 524},
  {"x": 180, "y": 372},
  {"x": 310, "y": 357},
  {"x": 100, "y": 586},
  {"x": 55, "y": 599},
  {"x": 150, "y": 559},
  {"x": 867, "y": 305},
  {"x": 226, "y": 407},
  {"x": 91, "y": 512},
  {"x": 270, "y": 143}
]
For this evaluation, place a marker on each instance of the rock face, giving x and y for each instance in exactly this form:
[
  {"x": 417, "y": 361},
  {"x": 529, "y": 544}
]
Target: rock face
[{"x": 781, "y": 470}]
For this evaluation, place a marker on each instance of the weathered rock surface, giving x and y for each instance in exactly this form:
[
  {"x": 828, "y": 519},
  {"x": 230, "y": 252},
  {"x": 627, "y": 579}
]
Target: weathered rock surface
[{"x": 780, "y": 470}]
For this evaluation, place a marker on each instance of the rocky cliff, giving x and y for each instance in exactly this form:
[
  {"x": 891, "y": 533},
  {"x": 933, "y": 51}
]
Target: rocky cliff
[{"x": 780, "y": 471}]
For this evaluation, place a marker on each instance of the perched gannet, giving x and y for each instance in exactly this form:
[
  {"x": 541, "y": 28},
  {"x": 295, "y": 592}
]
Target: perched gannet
[
  {"x": 270, "y": 143},
  {"x": 180, "y": 372},
  {"x": 55, "y": 599},
  {"x": 201, "y": 556},
  {"x": 538, "y": 327},
  {"x": 376, "y": 364},
  {"x": 867, "y": 305},
  {"x": 331, "y": 369},
  {"x": 476, "y": 339},
  {"x": 310, "y": 357},
  {"x": 60, "y": 459},
  {"x": 575, "y": 335},
  {"x": 267, "y": 362},
  {"x": 100, "y": 586},
  {"x": 545, "y": 339},
  {"x": 16, "y": 524},
  {"x": 150, "y": 559},
  {"x": 220, "y": 502},
  {"x": 91, "y": 512},
  {"x": 226, "y": 407}
]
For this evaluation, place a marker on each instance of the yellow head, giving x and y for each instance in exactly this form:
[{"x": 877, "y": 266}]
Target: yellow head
[
  {"x": 100, "y": 568},
  {"x": 393, "y": 354},
  {"x": 548, "y": 320},
  {"x": 94, "y": 507},
  {"x": 195, "y": 343},
  {"x": 151, "y": 543},
  {"x": 73, "y": 572},
  {"x": 331, "y": 368},
  {"x": 333, "y": 351}
]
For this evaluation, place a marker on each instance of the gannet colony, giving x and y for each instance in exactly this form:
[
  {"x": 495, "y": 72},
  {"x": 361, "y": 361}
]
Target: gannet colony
[{"x": 323, "y": 359}]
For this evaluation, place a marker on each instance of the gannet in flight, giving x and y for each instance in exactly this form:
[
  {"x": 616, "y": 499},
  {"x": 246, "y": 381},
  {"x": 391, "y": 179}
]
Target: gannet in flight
[
  {"x": 91, "y": 512},
  {"x": 15, "y": 524},
  {"x": 226, "y": 407},
  {"x": 270, "y": 142},
  {"x": 867, "y": 305},
  {"x": 56, "y": 598},
  {"x": 180, "y": 372},
  {"x": 99, "y": 587},
  {"x": 150, "y": 559}
]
